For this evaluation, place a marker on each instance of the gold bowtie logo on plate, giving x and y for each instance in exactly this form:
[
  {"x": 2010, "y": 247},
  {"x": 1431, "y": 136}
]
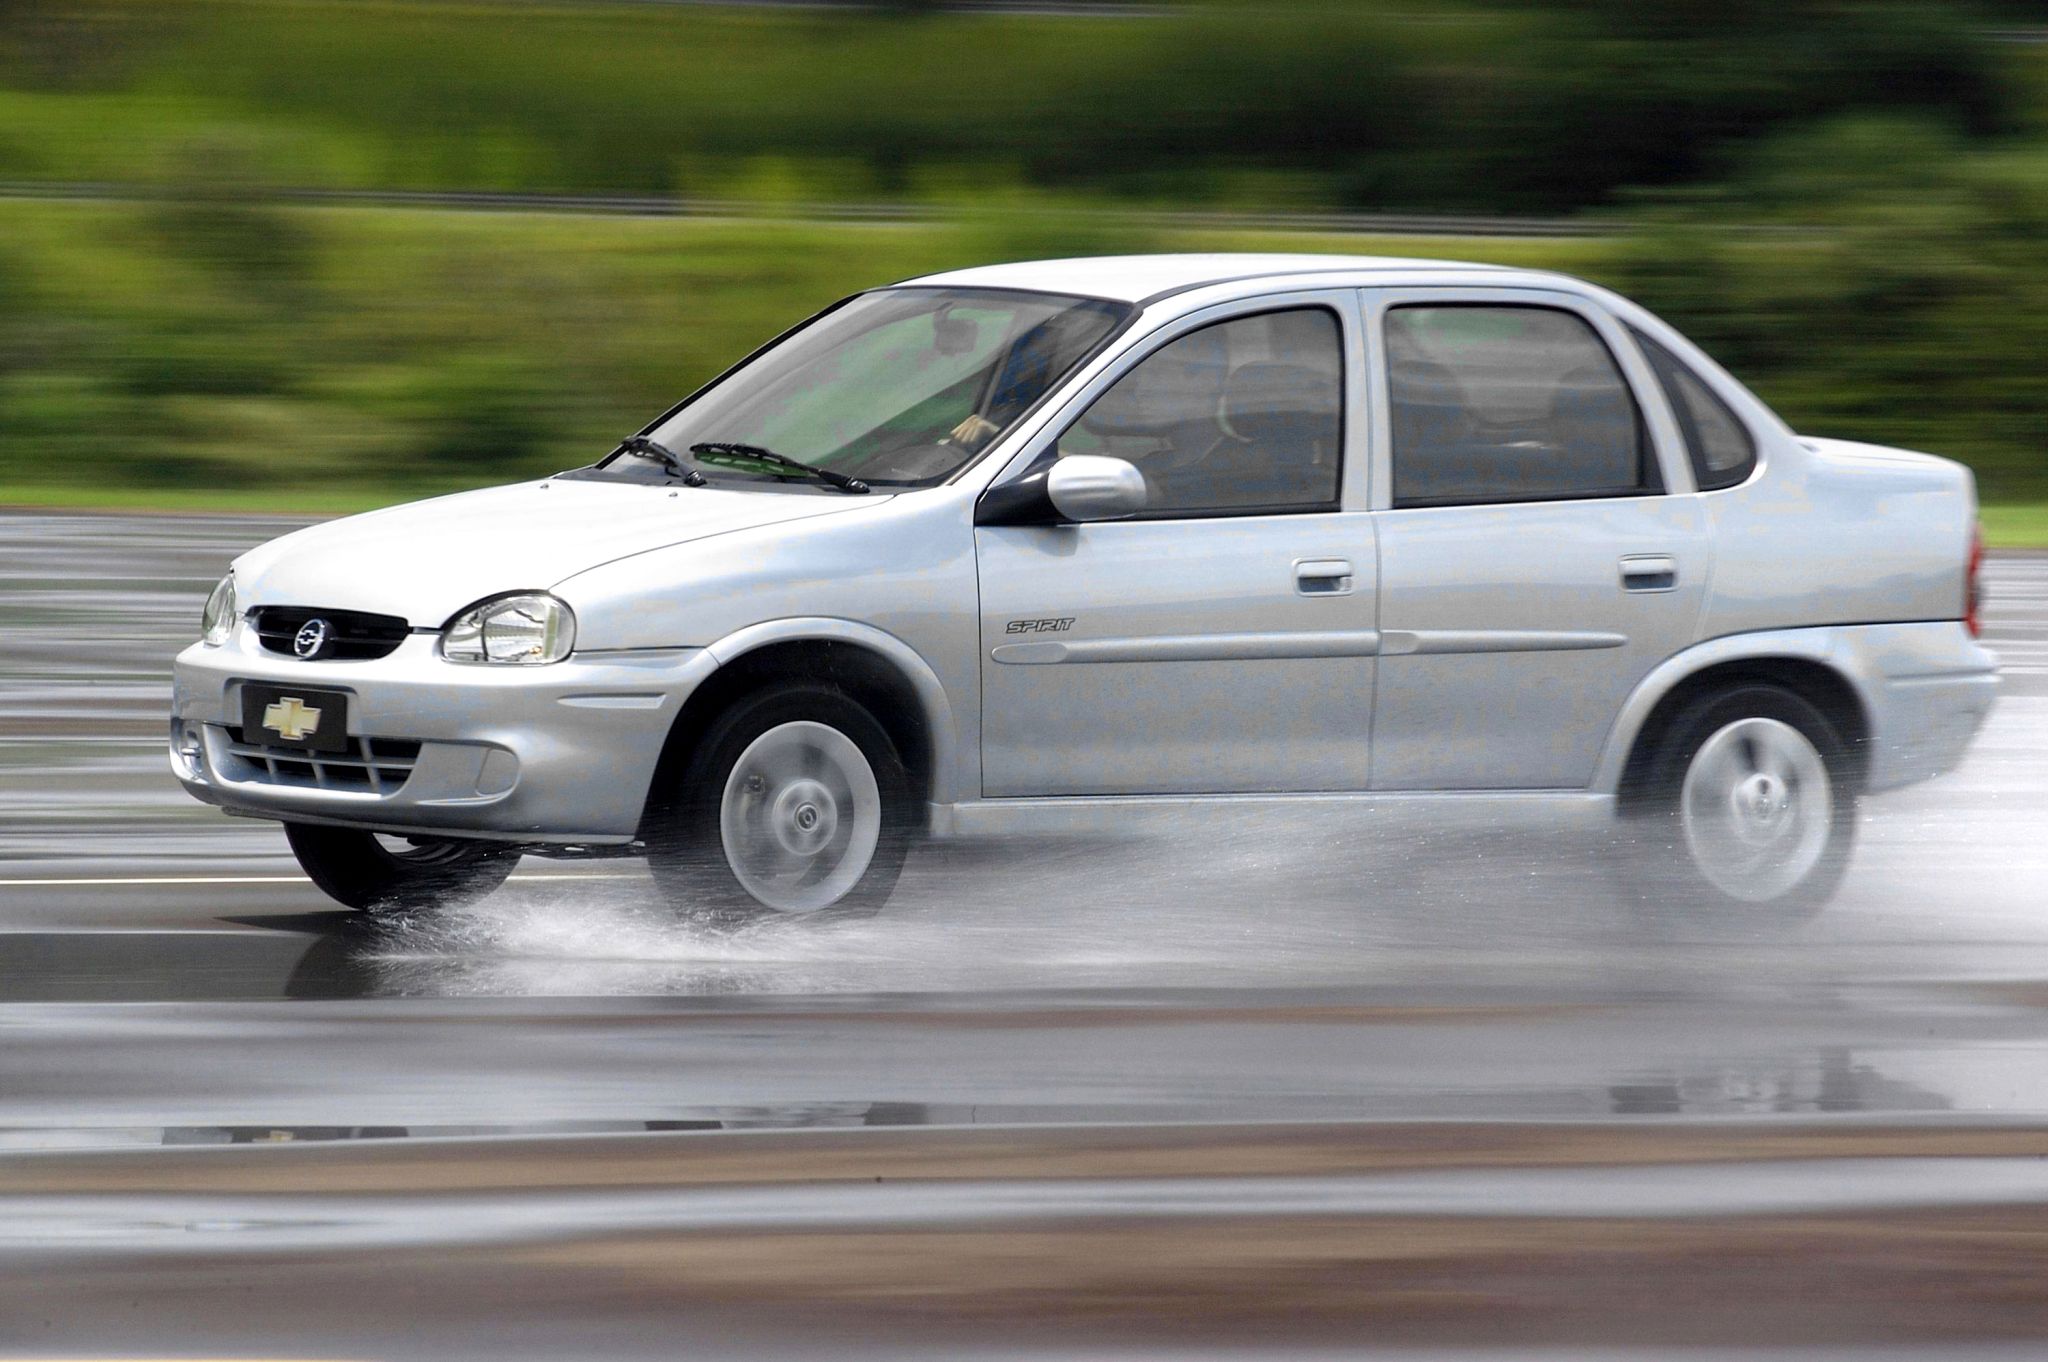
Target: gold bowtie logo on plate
[{"x": 291, "y": 718}]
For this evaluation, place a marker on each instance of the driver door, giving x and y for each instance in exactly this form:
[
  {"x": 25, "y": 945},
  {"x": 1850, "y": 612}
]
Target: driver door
[{"x": 1221, "y": 641}]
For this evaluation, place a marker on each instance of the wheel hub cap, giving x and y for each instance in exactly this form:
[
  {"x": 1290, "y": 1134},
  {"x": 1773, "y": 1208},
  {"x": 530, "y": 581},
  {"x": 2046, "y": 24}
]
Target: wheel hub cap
[
  {"x": 1757, "y": 808},
  {"x": 800, "y": 817},
  {"x": 805, "y": 817},
  {"x": 1760, "y": 804}
]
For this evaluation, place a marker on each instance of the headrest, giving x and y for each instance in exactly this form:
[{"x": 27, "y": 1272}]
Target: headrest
[
  {"x": 1592, "y": 387},
  {"x": 1415, "y": 378},
  {"x": 1168, "y": 390},
  {"x": 1263, "y": 400}
]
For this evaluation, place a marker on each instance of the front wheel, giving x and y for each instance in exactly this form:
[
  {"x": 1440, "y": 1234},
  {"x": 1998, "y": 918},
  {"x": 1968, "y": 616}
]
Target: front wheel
[
  {"x": 371, "y": 872},
  {"x": 1751, "y": 807},
  {"x": 795, "y": 803}
]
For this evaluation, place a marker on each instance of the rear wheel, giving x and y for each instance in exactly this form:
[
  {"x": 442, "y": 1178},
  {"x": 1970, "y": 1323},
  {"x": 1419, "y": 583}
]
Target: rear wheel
[
  {"x": 795, "y": 803},
  {"x": 370, "y": 872},
  {"x": 1751, "y": 807}
]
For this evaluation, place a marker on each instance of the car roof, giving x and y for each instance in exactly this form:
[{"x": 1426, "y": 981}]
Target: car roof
[{"x": 1141, "y": 278}]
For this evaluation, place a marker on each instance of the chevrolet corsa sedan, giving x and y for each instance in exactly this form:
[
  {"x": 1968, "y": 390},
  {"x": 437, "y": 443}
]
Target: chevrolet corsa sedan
[{"x": 1034, "y": 542}]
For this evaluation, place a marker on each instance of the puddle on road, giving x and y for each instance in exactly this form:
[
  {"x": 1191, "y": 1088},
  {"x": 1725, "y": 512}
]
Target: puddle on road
[
  {"x": 1817, "y": 1082},
  {"x": 1251, "y": 898},
  {"x": 1254, "y": 898},
  {"x": 814, "y": 1116},
  {"x": 1265, "y": 969}
]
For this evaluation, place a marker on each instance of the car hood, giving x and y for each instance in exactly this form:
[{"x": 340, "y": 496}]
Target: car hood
[{"x": 426, "y": 560}]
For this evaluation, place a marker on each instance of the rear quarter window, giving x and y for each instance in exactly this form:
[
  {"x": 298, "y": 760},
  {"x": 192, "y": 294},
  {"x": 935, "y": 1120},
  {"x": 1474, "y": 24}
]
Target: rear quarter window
[{"x": 1719, "y": 445}]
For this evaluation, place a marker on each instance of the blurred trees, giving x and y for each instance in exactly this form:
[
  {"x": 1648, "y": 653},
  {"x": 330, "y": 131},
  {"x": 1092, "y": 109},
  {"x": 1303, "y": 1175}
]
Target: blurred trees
[
  {"x": 1530, "y": 108},
  {"x": 1510, "y": 107},
  {"x": 1845, "y": 202},
  {"x": 57, "y": 44},
  {"x": 1886, "y": 283}
]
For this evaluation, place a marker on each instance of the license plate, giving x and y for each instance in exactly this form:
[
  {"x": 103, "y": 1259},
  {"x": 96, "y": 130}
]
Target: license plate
[{"x": 295, "y": 716}]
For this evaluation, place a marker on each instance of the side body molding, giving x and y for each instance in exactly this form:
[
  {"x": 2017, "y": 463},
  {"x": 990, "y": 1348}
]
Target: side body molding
[
  {"x": 1192, "y": 648},
  {"x": 949, "y": 782},
  {"x": 1407, "y": 642},
  {"x": 1324, "y": 643}
]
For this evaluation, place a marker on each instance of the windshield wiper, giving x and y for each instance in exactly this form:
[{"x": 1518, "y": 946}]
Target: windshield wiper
[
  {"x": 661, "y": 453},
  {"x": 723, "y": 450}
]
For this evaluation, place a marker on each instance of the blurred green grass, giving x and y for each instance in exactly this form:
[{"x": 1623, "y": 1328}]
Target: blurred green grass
[
  {"x": 229, "y": 355},
  {"x": 2016, "y": 525},
  {"x": 300, "y": 354},
  {"x": 1847, "y": 205}
]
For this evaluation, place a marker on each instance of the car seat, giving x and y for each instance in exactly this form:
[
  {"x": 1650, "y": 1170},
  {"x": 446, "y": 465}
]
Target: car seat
[
  {"x": 1282, "y": 428},
  {"x": 1437, "y": 451}
]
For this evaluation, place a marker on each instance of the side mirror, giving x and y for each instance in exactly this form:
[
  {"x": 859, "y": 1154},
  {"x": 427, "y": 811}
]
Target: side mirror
[
  {"x": 1090, "y": 487},
  {"x": 1081, "y": 487}
]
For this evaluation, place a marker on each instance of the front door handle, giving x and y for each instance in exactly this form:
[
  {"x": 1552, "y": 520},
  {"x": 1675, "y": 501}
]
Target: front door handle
[
  {"x": 1649, "y": 572},
  {"x": 1323, "y": 577}
]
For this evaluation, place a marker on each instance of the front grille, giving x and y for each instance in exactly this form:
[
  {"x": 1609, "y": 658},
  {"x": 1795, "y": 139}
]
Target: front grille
[
  {"x": 377, "y": 766},
  {"x": 353, "y": 636}
]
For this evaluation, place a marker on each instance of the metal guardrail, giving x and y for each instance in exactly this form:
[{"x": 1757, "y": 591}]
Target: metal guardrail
[
  {"x": 637, "y": 205},
  {"x": 1057, "y": 9}
]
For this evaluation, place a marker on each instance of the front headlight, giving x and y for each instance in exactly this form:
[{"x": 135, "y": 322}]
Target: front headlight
[
  {"x": 522, "y": 631},
  {"x": 217, "y": 621}
]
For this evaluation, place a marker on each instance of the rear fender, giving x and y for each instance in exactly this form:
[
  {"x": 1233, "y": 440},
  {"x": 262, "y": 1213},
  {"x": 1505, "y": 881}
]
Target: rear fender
[{"x": 1819, "y": 645}]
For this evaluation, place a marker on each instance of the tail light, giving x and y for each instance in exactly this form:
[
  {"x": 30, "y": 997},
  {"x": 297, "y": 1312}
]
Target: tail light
[{"x": 1973, "y": 586}]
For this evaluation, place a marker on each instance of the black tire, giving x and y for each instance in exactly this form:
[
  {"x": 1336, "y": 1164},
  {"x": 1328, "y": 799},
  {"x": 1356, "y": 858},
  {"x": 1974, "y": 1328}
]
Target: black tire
[
  {"x": 1671, "y": 844},
  {"x": 687, "y": 849},
  {"x": 357, "y": 870}
]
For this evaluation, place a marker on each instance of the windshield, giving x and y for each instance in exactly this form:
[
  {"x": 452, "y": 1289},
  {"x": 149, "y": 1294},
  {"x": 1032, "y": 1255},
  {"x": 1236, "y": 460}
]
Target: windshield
[{"x": 898, "y": 388}]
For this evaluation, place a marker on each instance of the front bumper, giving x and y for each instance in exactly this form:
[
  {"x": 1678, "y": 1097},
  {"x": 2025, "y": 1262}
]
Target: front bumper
[{"x": 558, "y": 753}]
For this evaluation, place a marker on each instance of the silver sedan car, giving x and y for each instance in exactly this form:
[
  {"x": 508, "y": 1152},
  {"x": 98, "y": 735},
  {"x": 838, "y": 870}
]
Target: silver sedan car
[{"x": 1015, "y": 545}]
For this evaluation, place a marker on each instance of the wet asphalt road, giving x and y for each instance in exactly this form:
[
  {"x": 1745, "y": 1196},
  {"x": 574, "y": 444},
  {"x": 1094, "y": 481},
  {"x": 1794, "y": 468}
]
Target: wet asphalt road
[{"x": 1251, "y": 1086}]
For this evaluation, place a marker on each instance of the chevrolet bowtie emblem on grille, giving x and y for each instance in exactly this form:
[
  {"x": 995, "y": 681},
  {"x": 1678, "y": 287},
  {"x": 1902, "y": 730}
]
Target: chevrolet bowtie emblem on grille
[
  {"x": 312, "y": 637},
  {"x": 292, "y": 719}
]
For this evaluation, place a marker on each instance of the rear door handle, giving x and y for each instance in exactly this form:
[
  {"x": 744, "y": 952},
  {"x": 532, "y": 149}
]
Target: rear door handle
[
  {"x": 1649, "y": 572},
  {"x": 1323, "y": 577}
]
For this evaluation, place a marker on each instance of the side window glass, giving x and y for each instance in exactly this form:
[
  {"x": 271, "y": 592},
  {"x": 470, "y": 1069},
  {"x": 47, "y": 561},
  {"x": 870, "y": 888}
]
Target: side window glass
[
  {"x": 1509, "y": 403},
  {"x": 1243, "y": 416},
  {"x": 1721, "y": 449}
]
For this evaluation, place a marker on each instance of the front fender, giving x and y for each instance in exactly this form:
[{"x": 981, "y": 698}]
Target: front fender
[{"x": 950, "y": 781}]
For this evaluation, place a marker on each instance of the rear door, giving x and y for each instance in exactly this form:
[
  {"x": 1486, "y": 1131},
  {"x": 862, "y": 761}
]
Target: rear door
[
  {"x": 1541, "y": 548},
  {"x": 1222, "y": 641}
]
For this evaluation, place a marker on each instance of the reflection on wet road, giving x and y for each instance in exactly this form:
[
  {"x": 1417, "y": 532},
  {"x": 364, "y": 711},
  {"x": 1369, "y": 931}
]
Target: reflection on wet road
[{"x": 1258, "y": 1081}]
